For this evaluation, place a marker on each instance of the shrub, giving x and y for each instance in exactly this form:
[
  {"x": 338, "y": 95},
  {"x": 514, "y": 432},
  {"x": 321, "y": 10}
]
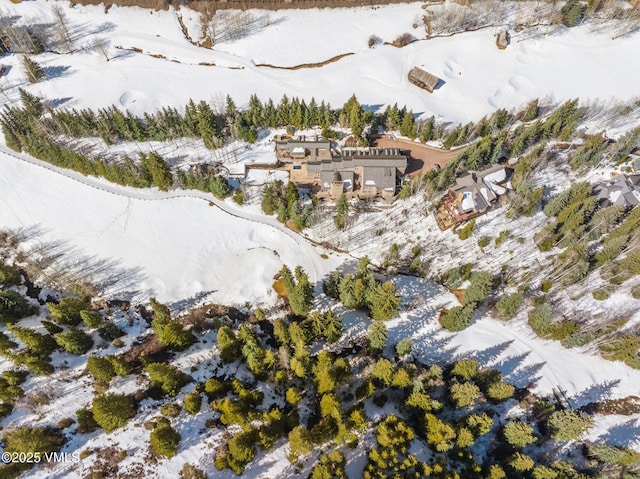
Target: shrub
[
  {"x": 404, "y": 347},
  {"x": 215, "y": 389},
  {"x": 164, "y": 439},
  {"x": 403, "y": 40},
  {"x": 166, "y": 377},
  {"x": 8, "y": 275},
  {"x": 480, "y": 287},
  {"x": 74, "y": 341},
  {"x": 100, "y": 368},
  {"x": 91, "y": 318},
  {"x": 635, "y": 292},
  {"x": 501, "y": 238},
  {"x": 465, "y": 368},
  {"x": 171, "y": 410},
  {"x": 189, "y": 471},
  {"x": 508, "y": 305},
  {"x": 67, "y": 311},
  {"x": 193, "y": 402},
  {"x": 464, "y": 394},
  {"x": 568, "y": 425},
  {"x": 65, "y": 423},
  {"x": 600, "y": 294},
  {"x": 546, "y": 285},
  {"x": 110, "y": 332},
  {"x": 33, "y": 439},
  {"x": 572, "y": 13},
  {"x": 6, "y": 408},
  {"x": 519, "y": 434},
  {"x": 111, "y": 411},
  {"x": 457, "y": 318},
  {"x": 465, "y": 232},
  {"x": 484, "y": 241},
  {"x": 13, "y": 307}
]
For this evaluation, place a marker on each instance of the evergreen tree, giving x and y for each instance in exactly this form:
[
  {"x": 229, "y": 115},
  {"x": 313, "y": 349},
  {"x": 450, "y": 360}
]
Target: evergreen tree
[
  {"x": 34, "y": 72},
  {"x": 38, "y": 343},
  {"x": 519, "y": 434},
  {"x": 166, "y": 377},
  {"x": 568, "y": 424},
  {"x": 111, "y": 411},
  {"x": 408, "y": 125},
  {"x": 464, "y": 394},
  {"x": 164, "y": 439},
  {"x": 377, "y": 335},
  {"x": 383, "y": 302},
  {"x": 100, "y": 368},
  {"x": 156, "y": 170},
  {"x": 74, "y": 341},
  {"x": 332, "y": 330}
]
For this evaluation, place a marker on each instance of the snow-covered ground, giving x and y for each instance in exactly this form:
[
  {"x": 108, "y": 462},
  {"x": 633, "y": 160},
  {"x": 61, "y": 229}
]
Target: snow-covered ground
[
  {"x": 175, "y": 246},
  {"x": 479, "y": 78}
]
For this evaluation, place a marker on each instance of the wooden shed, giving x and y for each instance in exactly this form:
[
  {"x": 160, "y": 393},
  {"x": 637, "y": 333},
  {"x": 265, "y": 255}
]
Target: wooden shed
[
  {"x": 423, "y": 79},
  {"x": 502, "y": 39}
]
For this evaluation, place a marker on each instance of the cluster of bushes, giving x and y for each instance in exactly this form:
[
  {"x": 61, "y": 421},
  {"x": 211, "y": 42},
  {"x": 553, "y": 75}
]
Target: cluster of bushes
[
  {"x": 362, "y": 290},
  {"x": 27, "y": 129},
  {"x": 526, "y": 199},
  {"x": 459, "y": 317},
  {"x": 287, "y": 112},
  {"x": 13, "y": 306},
  {"x": 112, "y": 124},
  {"x": 285, "y": 202},
  {"x": 169, "y": 332}
]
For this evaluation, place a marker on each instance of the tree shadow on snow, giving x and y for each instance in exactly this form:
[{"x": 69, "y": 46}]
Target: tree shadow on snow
[
  {"x": 188, "y": 303},
  {"x": 626, "y": 434},
  {"x": 594, "y": 393},
  {"x": 56, "y": 71}
]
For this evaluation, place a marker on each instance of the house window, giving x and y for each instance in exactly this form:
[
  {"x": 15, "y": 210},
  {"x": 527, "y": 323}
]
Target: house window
[{"x": 297, "y": 167}]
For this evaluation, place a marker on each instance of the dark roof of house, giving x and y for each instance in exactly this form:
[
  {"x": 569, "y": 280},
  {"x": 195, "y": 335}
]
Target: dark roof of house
[{"x": 622, "y": 190}]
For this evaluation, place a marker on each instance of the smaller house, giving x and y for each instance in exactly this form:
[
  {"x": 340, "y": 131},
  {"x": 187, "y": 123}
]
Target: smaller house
[
  {"x": 623, "y": 190},
  {"x": 423, "y": 79},
  {"x": 476, "y": 191},
  {"x": 472, "y": 195}
]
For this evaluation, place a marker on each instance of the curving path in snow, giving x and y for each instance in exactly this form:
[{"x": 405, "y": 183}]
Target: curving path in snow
[{"x": 171, "y": 244}]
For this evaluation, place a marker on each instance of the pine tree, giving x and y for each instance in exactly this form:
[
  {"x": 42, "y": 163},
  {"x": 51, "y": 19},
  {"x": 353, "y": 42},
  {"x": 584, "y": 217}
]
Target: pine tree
[
  {"x": 464, "y": 394},
  {"x": 332, "y": 330},
  {"x": 111, "y": 411},
  {"x": 74, "y": 341},
  {"x": 568, "y": 424},
  {"x": 156, "y": 170},
  {"x": 383, "y": 302},
  {"x": 34, "y": 72},
  {"x": 519, "y": 434},
  {"x": 100, "y": 368},
  {"x": 164, "y": 439},
  {"x": 377, "y": 335}
]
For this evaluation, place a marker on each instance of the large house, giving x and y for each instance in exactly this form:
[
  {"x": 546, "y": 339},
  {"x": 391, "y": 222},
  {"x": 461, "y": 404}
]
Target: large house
[
  {"x": 623, "y": 190},
  {"x": 365, "y": 172}
]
